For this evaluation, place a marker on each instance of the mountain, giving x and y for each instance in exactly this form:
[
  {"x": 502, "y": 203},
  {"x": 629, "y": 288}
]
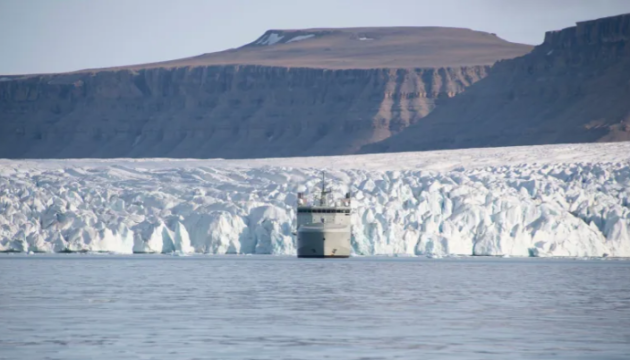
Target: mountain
[
  {"x": 288, "y": 93},
  {"x": 573, "y": 88},
  {"x": 363, "y": 48}
]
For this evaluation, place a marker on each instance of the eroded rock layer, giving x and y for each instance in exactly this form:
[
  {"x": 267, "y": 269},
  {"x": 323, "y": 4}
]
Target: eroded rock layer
[
  {"x": 572, "y": 88},
  {"x": 288, "y": 93},
  {"x": 217, "y": 111}
]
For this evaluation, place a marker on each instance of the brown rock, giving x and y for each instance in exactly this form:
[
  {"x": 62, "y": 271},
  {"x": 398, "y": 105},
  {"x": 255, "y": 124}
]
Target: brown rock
[
  {"x": 572, "y": 88},
  {"x": 352, "y": 95}
]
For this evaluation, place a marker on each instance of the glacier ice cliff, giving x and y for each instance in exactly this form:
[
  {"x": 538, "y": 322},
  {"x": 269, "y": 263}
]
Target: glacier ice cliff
[{"x": 518, "y": 208}]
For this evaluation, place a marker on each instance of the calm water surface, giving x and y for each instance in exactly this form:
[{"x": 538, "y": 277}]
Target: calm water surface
[{"x": 267, "y": 307}]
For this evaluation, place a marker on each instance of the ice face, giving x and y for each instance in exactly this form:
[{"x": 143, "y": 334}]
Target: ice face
[{"x": 219, "y": 207}]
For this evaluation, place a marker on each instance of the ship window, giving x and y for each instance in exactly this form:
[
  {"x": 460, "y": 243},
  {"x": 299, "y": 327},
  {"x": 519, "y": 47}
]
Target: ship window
[{"x": 324, "y": 211}]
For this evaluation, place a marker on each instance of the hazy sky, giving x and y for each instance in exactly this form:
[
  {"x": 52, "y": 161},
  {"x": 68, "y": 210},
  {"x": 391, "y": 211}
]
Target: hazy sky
[{"x": 64, "y": 35}]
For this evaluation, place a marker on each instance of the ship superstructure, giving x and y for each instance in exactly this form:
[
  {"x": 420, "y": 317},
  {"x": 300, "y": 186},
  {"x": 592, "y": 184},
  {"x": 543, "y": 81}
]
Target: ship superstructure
[{"x": 324, "y": 226}]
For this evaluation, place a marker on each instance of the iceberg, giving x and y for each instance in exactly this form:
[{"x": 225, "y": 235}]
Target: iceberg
[{"x": 488, "y": 202}]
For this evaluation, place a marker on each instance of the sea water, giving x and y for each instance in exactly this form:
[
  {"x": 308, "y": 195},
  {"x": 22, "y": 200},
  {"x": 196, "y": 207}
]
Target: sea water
[{"x": 271, "y": 307}]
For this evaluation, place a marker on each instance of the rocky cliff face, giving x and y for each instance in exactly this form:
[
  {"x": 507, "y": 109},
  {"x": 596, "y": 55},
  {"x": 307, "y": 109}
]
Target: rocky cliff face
[
  {"x": 288, "y": 93},
  {"x": 217, "y": 111},
  {"x": 572, "y": 88}
]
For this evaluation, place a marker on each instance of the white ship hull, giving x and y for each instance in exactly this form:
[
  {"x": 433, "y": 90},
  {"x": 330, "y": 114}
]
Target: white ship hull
[{"x": 324, "y": 241}]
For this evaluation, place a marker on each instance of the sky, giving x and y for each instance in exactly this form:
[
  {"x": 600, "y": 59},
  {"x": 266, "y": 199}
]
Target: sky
[{"x": 43, "y": 36}]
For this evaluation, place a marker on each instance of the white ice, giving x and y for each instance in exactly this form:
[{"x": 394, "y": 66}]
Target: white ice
[{"x": 562, "y": 200}]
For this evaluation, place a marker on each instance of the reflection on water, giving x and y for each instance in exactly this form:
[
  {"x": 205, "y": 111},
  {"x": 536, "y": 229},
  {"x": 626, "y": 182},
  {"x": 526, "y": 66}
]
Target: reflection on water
[{"x": 266, "y": 307}]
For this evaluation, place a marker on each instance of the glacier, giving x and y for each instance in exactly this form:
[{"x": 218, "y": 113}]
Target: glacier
[{"x": 559, "y": 200}]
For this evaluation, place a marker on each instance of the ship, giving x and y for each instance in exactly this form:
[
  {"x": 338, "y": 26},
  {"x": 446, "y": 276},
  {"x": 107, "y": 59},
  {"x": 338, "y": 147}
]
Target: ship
[{"x": 324, "y": 228}]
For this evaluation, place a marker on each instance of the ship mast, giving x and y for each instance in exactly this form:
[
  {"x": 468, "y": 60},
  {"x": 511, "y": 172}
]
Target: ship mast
[{"x": 322, "y": 199}]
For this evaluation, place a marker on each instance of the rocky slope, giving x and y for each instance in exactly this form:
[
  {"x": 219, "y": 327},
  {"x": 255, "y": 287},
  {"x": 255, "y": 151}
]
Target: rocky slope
[
  {"x": 572, "y": 88},
  {"x": 330, "y": 93}
]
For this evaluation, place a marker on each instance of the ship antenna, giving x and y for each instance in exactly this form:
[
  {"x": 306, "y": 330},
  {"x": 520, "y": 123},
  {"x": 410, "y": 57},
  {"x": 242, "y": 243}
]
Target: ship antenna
[{"x": 322, "y": 200}]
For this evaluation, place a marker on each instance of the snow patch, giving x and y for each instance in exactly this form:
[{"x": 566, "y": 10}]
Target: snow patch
[
  {"x": 301, "y": 37},
  {"x": 270, "y": 39},
  {"x": 363, "y": 38}
]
